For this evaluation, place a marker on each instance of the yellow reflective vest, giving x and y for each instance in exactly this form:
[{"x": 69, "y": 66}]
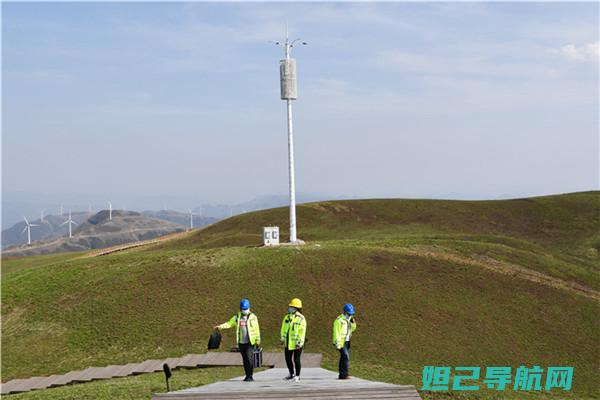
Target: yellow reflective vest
[
  {"x": 293, "y": 330},
  {"x": 340, "y": 330},
  {"x": 252, "y": 325}
]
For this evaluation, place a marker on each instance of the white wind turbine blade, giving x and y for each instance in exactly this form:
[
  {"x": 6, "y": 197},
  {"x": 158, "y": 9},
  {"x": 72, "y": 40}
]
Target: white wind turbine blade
[
  {"x": 73, "y": 222},
  {"x": 24, "y": 229},
  {"x": 64, "y": 223},
  {"x": 27, "y": 222},
  {"x": 33, "y": 225}
]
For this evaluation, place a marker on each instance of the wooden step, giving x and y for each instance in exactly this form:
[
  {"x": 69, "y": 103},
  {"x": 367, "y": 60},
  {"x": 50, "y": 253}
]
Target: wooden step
[
  {"x": 149, "y": 366},
  {"x": 11, "y": 386},
  {"x": 125, "y": 370},
  {"x": 65, "y": 379},
  {"x": 87, "y": 374}
]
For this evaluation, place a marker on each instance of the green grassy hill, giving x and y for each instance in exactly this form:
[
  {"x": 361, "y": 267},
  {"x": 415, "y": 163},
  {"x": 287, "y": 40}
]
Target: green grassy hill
[{"x": 434, "y": 282}]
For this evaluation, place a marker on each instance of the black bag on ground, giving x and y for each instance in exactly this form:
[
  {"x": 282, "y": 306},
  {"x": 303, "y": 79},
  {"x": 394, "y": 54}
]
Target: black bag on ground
[
  {"x": 214, "y": 341},
  {"x": 257, "y": 357}
]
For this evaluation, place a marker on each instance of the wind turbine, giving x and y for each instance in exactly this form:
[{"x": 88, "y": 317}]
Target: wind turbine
[
  {"x": 191, "y": 218},
  {"x": 61, "y": 210},
  {"x": 109, "y": 211},
  {"x": 71, "y": 223},
  {"x": 28, "y": 229},
  {"x": 42, "y": 215},
  {"x": 90, "y": 208}
]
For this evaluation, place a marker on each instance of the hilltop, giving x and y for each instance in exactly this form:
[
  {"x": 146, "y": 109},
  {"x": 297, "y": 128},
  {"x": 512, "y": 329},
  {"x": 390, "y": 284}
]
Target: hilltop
[
  {"x": 434, "y": 282},
  {"x": 180, "y": 218}
]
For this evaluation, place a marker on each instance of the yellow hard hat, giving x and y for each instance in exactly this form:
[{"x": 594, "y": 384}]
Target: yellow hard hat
[{"x": 297, "y": 303}]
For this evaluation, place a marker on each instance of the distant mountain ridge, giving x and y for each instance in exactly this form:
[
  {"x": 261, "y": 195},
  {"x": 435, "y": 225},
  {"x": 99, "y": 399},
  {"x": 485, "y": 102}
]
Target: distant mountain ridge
[
  {"x": 100, "y": 231},
  {"x": 51, "y": 227}
]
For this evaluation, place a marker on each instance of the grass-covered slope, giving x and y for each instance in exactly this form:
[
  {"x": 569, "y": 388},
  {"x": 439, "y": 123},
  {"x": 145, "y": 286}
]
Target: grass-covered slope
[{"x": 433, "y": 282}]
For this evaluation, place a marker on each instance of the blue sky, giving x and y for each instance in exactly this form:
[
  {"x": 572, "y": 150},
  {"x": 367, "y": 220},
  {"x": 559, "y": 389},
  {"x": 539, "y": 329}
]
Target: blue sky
[{"x": 395, "y": 99}]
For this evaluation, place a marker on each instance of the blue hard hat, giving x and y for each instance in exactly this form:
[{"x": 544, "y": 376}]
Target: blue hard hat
[
  {"x": 349, "y": 308},
  {"x": 244, "y": 304}
]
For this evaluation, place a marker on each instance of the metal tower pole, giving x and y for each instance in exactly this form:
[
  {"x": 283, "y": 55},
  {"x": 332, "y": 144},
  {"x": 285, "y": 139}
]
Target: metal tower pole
[
  {"x": 291, "y": 170},
  {"x": 291, "y": 158}
]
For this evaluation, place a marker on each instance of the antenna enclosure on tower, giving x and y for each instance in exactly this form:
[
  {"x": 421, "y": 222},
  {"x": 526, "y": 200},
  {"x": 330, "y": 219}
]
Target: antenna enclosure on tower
[{"x": 287, "y": 75}]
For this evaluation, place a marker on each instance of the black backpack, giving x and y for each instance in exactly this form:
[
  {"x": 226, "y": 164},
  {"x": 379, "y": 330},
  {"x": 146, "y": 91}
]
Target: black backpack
[{"x": 214, "y": 341}]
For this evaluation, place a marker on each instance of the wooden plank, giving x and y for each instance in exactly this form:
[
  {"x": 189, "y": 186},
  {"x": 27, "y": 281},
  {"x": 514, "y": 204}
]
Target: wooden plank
[
  {"x": 66, "y": 378},
  {"x": 149, "y": 366},
  {"x": 126, "y": 370},
  {"x": 111, "y": 371},
  {"x": 44, "y": 383},
  {"x": 105, "y": 372},
  {"x": 87, "y": 374},
  {"x": 222, "y": 359},
  {"x": 27, "y": 384},
  {"x": 7, "y": 387},
  {"x": 173, "y": 362},
  {"x": 184, "y": 362}
]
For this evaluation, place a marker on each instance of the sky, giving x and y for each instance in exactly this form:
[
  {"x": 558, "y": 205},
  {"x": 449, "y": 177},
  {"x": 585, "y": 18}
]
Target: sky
[{"x": 456, "y": 100}]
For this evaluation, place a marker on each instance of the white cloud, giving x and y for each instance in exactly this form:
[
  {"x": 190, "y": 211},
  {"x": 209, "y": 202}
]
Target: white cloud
[
  {"x": 585, "y": 53},
  {"x": 468, "y": 63}
]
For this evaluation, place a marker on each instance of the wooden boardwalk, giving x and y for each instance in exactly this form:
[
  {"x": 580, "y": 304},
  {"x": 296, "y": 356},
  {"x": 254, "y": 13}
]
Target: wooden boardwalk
[
  {"x": 116, "y": 371},
  {"x": 132, "y": 245},
  {"x": 315, "y": 383}
]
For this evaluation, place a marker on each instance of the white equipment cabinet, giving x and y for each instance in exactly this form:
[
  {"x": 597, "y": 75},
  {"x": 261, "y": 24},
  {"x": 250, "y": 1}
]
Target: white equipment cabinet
[{"x": 271, "y": 236}]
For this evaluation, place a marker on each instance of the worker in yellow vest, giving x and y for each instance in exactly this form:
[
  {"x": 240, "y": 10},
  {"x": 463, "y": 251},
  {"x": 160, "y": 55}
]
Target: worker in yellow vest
[
  {"x": 343, "y": 326},
  {"x": 247, "y": 334},
  {"x": 293, "y": 336}
]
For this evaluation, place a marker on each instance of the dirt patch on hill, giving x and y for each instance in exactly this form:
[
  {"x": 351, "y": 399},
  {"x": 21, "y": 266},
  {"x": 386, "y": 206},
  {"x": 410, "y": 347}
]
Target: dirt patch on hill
[{"x": 335, "y": 208}]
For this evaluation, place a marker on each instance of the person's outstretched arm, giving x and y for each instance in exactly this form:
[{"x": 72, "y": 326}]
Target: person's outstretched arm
[{"x": 226, "y": 325}]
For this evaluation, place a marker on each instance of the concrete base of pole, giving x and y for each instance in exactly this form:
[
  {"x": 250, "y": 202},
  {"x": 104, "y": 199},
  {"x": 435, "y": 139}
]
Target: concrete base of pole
[{"x": 298, "y": 242}]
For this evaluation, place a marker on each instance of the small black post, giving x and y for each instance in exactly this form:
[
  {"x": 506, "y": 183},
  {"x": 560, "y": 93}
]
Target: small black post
[{"x": 168, "y": 374}]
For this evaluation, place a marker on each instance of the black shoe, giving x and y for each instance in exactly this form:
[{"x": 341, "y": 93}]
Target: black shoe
[
  {"x": 343, "y": 377},
  {"x": 249, "y": 379},
  {"x": 289, "y": 377}
]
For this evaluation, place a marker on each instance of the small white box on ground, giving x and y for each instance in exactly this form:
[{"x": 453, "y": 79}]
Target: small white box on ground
[{"x": 271, "y": 236}]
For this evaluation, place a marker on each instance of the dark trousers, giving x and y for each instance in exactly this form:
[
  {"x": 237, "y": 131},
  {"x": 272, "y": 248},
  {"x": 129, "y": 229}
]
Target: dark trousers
[
  {"x": 344, "y": 360},
  {"x": 247, "y": 350},
  {"x": 295, "y": 354}
]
